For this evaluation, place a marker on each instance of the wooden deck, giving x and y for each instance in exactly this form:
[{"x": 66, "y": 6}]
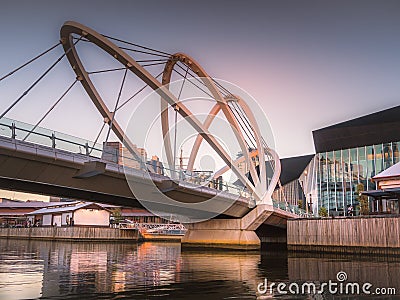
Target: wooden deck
[
  {"x": 71, "y": 233},
  {"x": 369, "y": 234}
]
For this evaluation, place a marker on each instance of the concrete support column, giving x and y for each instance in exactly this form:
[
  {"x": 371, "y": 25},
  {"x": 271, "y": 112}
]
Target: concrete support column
[{"x": 237, "y": 234}]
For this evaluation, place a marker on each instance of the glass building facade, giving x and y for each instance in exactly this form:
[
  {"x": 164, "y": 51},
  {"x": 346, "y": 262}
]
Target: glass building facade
[{"x": 339, "y": 172}]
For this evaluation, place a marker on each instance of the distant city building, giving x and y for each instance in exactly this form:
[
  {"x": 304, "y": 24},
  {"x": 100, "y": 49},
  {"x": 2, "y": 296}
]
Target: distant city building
[
  {"x": 115, "y": 152},
  {"x": 55, "y": 199},
  {"x": 243, "y": 166},
  {"x": 156, "y": 164}
]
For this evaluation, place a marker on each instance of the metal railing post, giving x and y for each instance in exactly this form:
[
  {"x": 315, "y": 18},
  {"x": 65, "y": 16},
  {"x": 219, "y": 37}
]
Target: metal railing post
[
  {"x": 53, "y": 140},
  {"x": 13, "y": 132},
  {"x": 87, "y": 148}
]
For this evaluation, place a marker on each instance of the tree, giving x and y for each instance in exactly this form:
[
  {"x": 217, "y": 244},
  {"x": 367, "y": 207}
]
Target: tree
[
  {"x": 300, "y": 203},
  {"x": 117, "y": 215},
  {"x": 362, "y": 199},
  {"x": 323, "y": 212}
]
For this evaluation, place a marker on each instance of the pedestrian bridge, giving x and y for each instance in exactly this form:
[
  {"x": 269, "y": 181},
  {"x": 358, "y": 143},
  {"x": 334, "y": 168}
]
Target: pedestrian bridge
[{"x": 38, "y": 160}]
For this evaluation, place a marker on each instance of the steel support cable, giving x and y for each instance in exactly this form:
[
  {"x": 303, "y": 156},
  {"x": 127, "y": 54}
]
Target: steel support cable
[
  {"x": 151, "y": 60},
  {"x": 262, "y": 139},
  {"x": 37, "y": 81},
  {"x": 50, "y": 109},
  {"x": 154, "y": 64},
  {"x": 107, "y": 70},
  {"x": 247, "y": 141},
  {"x": 245, "y": 121},
  {"x": 270, "y": 159},
  {"x": 83, "y": 39},
  {"x": 134, "y": 50},
  {"x": 249, "y": 127},
  {"x": 191, "y": 73},
  {"x": 136, "y": 45},
  {"x": 241, "y": 121},
  {"x": 30, "y": 61},
  {"x": 243, "y": 113},
  {"x": 144, "y": 52},
  {"x": 97, "y": 138},
  {"x": 194, "y": 84},
  {"x": 160, "y": 62},
  {"x": 195, "y": 76},
  {"x": 135, "y": 94},
  {"x": 116, "y": 105},
  {"x": 222, "y": 88}
]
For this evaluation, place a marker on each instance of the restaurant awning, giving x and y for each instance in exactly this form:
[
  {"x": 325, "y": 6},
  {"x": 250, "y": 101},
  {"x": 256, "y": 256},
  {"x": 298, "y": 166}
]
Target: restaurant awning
[{"x": 384, "y": 193}]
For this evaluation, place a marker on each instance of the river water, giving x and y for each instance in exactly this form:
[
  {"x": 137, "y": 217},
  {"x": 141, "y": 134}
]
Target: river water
[{"x": 63, "y": 270}]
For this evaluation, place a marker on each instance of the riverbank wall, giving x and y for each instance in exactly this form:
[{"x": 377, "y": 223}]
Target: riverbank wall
[
  {"x": 73, "y": 233},
  {"x": 366, "y": 234}
]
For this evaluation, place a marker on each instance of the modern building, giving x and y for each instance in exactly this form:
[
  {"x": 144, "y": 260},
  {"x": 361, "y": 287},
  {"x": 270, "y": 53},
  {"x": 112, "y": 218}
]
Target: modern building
[
  {"x": 348, "y": 156},
  {"x": 293, "y": 178}
]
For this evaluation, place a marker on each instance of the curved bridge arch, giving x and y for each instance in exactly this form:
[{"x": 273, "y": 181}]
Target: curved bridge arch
[
  {"x": 220, "y": 105},
  {"x": 69, "y": 28}
]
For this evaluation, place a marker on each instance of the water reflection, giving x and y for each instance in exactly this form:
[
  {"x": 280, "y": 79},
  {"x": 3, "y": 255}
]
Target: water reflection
[
  {"x": 380, "y": 271},
  {"x": 57, "y": 270}
]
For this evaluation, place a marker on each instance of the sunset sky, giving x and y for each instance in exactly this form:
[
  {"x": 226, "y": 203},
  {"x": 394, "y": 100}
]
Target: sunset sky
[{"x": 309, "y": 64}]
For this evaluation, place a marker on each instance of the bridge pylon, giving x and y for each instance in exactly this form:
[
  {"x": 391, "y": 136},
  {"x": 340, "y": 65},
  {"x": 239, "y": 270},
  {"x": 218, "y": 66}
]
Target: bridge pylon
[{"x": 235, "y": 234}]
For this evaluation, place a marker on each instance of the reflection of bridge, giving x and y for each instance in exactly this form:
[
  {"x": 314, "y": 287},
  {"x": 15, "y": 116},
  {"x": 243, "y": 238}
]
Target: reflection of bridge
[{"x": 37, "y": 160}]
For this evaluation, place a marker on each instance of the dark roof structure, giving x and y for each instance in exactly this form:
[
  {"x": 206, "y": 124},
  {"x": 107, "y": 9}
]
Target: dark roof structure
[
  {"x": 291, "y": 169},
  {"x": 375, "y": 128}
]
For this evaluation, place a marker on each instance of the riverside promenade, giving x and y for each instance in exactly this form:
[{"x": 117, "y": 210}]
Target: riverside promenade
[
  {"x": 363, "y": 234},
  {"x": 74, "y": 233}
]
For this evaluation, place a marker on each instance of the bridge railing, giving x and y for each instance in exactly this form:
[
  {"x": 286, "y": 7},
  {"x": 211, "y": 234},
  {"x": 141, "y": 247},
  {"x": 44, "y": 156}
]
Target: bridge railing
[
  {"x": 61, "y": 141},
  {"x": 291, "y": 208},
  {"x": 57, "y": 140}
]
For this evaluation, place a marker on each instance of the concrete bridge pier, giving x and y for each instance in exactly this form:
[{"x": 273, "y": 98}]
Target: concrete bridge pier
[{"x": 236, "y": 234}]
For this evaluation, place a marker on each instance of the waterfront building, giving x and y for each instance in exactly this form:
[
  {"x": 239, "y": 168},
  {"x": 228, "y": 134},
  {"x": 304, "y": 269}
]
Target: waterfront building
[
  {"x": 13, "y": 212},
  {"x": 141, "y": 215},
  {"x": 72, "y": 213},
  {"x": 387, "y": 196},
  {"x": 348, "y": 156}
]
